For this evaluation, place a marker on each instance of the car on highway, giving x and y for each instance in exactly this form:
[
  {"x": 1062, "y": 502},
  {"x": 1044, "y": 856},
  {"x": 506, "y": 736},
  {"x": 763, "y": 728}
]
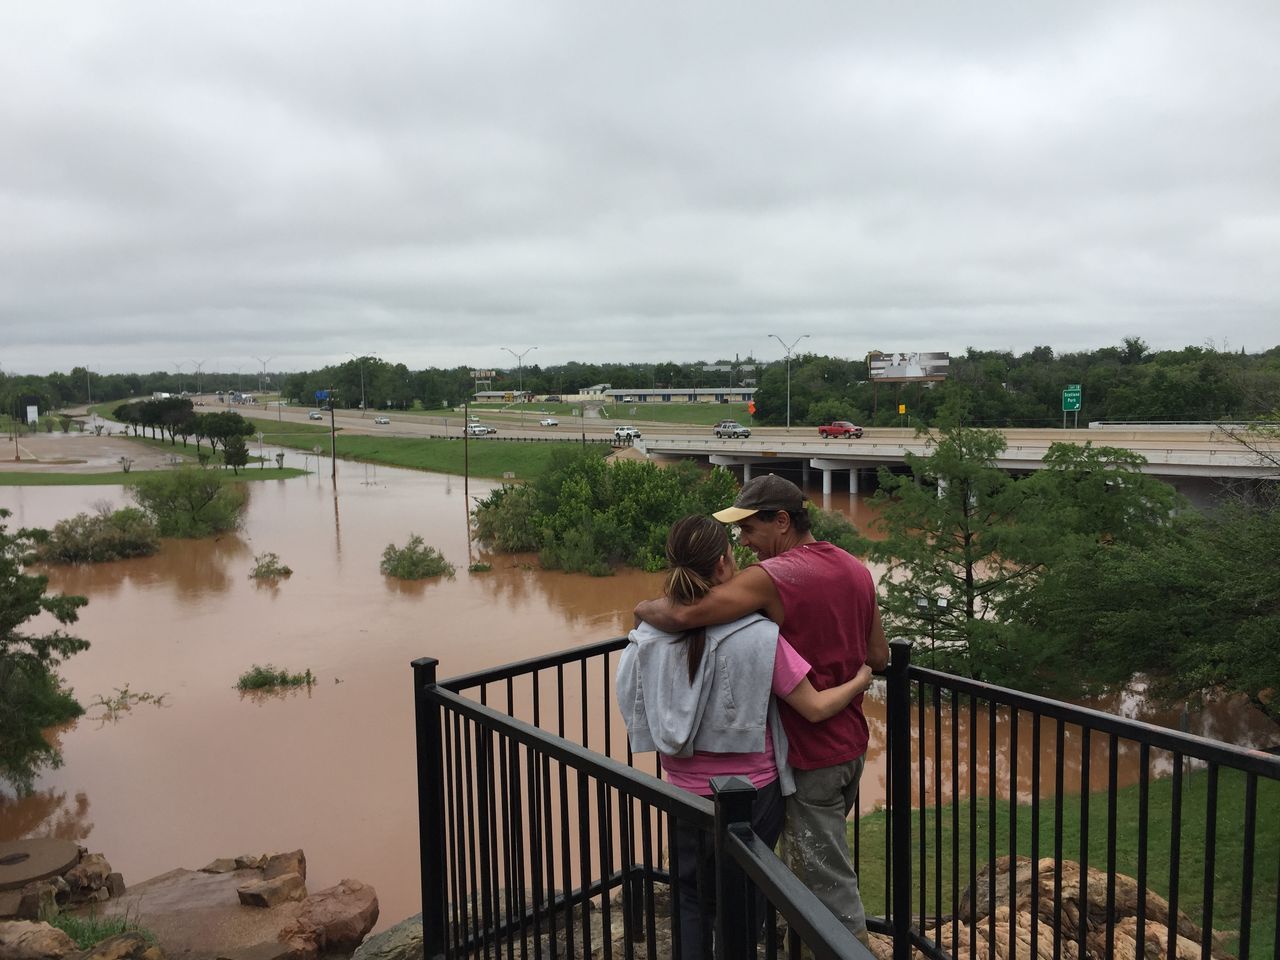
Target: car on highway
[
  {"x": 479, "y": 430},
  {"x": 548, "y": 422},
  {"x": 315, "y": 415},
  {"x": 732, "y": 429},
  {"x": 626, "y": 433},
  {"x": 839, "y": 428},
  {"x": 383, "y": 421}
]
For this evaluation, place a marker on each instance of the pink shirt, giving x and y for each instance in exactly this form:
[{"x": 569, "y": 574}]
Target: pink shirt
[
  {"x": 829, "y": 607},
  {"x": 694, "y": 773}
]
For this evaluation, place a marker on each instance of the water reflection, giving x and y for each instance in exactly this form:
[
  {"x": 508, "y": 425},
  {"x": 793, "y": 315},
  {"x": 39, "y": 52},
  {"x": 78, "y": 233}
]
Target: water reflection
[
  {"x": 192, "y": 569},
  {"x": 46, "y": 813}
]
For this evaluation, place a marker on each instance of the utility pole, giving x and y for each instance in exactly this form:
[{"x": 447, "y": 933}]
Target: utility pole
[{"x": 789, "y": 349}]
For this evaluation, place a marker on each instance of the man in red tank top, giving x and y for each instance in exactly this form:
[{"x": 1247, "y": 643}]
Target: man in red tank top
[{"x": 824, "y": 601}]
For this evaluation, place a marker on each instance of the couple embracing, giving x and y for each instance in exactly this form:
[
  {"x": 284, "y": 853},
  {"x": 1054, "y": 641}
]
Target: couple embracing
[{"x": 760, "y": 674}]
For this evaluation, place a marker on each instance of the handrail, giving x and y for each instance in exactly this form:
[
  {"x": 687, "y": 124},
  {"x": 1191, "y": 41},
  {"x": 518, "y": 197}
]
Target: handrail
[
  {"x": 542, "y": 662},
  {"x": 804, "y": 912},
  {"x": 639, "y": 784},
  {"x": 1188, "y": 744}
]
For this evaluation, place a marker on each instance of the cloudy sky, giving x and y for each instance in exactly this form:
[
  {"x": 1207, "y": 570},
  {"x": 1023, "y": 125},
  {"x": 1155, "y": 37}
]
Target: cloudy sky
[{"x": 186, "y": 182}]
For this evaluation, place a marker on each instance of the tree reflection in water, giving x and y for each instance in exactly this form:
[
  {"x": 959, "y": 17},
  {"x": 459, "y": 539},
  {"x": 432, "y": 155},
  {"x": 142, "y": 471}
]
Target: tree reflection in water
[{"x": 46, "y": 813}]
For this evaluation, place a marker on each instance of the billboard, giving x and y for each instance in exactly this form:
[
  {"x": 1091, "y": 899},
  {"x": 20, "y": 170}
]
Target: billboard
[{"x": 907, "y": 366}]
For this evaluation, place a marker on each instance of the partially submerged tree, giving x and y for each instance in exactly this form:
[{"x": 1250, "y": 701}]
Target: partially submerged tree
[
  {"x": 32, "y": 695},
  {"x": 190, "y": 502}
]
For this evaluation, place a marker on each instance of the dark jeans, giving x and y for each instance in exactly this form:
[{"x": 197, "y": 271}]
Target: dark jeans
[{"x": 696, "y": 905}]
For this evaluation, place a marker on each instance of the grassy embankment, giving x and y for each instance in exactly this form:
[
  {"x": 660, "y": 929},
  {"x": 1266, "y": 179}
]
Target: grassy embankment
[
  {"x": 488, "y": 458},
  {"x": 1229, "y": 847}
]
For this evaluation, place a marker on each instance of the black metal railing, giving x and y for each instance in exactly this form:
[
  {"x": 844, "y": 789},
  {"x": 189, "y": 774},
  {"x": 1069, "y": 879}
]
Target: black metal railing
[{"x": 542, "y": 835}]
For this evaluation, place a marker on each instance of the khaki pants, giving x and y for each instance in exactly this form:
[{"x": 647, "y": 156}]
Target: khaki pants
[{"x": 815, "y": 839}]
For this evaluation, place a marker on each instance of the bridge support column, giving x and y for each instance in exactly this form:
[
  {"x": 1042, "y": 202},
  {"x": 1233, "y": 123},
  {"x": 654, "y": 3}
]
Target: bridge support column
[
  {"x": 746, "y": 472},
  {"x": 826, "y": 483},
  {"x": 804, "y": 475},
  {"x": 853, "y": 482}
]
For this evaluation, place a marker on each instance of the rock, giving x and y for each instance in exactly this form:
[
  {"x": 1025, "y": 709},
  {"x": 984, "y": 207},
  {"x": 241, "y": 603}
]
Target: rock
[
  {"x": 115, "y": 885},
  {"x": 278, "y": 864},
  {"x": 248, "y": 862},
  {"x": 10, "y": 903},
  {"x": 335, "y": 919},
  {"x": 192, "y": 914},
  {"x": 269, "y": 893},
  {"x": 28, "y": 940},
  {"x": 222, "y": 865},
  {"x": 43, "y": 898},
  {"x": 273, "y": 950},
  {"x": 974, "y": 902},
  {"x": 124, "y": 946},
  {"x": 401, "y": 942},
  {"x": 88, "y": 875}
]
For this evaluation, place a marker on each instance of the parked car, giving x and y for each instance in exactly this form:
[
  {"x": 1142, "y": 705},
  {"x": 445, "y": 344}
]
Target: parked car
[
  {"x": 552, "y": 398},
  {"x": 839, "y": 428},
  {"x": 382, "y": 420},
  {"x": 626, "y": 433},
  {"x": 628, "y": 399},
  {"x": 479, "y": 430},
  {"x": 548, "y": 422},
  {"x": 732, "y": 429},
  {"x": 315, "y": 415}
]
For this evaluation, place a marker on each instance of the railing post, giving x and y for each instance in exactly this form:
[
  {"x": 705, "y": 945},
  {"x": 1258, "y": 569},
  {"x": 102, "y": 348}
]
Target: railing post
[
  {"x": 431, "y": 840},
  {"x": 899, "y": 722},
  {"x": 735, "y": 907}
]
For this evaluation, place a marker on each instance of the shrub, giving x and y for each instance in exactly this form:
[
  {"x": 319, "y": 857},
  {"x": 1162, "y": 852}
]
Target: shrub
[
  {"x": 480, "y": 567},
  {"x": 268, "y": 678},
  {"x": 414, "y": 561},
  {"x": 586, "y": 514},
  {"x": 100, "y": 537},
  {"x": 190, "y": 502},
  {"x": 267, "y": 566}
]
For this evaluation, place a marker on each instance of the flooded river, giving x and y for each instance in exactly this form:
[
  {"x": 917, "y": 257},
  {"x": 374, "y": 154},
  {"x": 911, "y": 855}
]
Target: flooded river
[{"x": 212, "y": 773}]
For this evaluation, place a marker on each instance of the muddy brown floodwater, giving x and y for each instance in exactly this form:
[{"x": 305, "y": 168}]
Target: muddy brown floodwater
[{"x": 211, "y": 772}]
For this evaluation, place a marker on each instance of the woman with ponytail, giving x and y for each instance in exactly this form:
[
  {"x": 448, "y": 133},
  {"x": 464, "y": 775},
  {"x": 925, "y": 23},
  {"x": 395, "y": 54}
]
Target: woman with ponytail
[{"x": 704, "y": 700}]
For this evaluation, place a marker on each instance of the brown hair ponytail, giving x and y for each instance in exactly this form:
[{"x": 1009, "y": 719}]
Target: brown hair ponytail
[{"x": 694, "y": 547}]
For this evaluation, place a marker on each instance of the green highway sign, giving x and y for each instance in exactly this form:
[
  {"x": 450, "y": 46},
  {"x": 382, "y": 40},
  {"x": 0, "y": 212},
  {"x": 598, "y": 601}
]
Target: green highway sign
[{"x": 1071, "y": 398}]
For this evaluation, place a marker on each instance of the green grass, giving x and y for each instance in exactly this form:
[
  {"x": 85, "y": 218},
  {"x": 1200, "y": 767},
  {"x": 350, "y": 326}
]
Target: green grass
[
  {"x": 10, "y": 478},
  {"x": 91, "y": 930},
  {"x": 269, "y": 678},
  {"x": 1229, "y": 847},
  {"x": 487, "y": 457}
]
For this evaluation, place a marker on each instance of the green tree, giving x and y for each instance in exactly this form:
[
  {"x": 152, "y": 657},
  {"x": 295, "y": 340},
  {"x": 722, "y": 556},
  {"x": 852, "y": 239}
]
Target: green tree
[
  {"x": 1195, "y": 610},
  {"x": 190, "y": 502},
  {"x": 235, "y": 452},
  {"x": 954, "y": 527},
  {"x": 32, "y": 695}
]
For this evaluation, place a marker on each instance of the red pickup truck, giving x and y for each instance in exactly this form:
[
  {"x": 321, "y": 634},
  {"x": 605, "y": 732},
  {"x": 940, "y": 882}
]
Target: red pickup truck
[{"x": 840, "y": 428}]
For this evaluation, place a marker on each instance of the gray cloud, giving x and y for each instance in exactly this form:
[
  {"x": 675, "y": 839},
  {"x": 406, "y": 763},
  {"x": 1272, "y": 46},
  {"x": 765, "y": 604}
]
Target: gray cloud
[{"x": 431, "y": 182}]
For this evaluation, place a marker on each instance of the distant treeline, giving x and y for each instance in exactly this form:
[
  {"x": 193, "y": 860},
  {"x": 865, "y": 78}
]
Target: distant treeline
[{"x": 984, "y": 387}]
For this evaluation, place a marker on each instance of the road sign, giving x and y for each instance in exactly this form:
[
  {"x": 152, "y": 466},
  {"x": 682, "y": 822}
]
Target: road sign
[{"x": 1071, "y": 398}]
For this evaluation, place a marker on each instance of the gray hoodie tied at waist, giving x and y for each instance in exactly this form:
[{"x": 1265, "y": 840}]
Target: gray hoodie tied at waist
[{"x": 725, "y": 708}]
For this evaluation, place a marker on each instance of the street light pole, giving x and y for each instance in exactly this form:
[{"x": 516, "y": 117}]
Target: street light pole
[
  {"x": 788, "y": 349},
  {"x": 360, "y": 360},
  {"x": 264, "y": 370},
  {"x": 520, "y": 367}
]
